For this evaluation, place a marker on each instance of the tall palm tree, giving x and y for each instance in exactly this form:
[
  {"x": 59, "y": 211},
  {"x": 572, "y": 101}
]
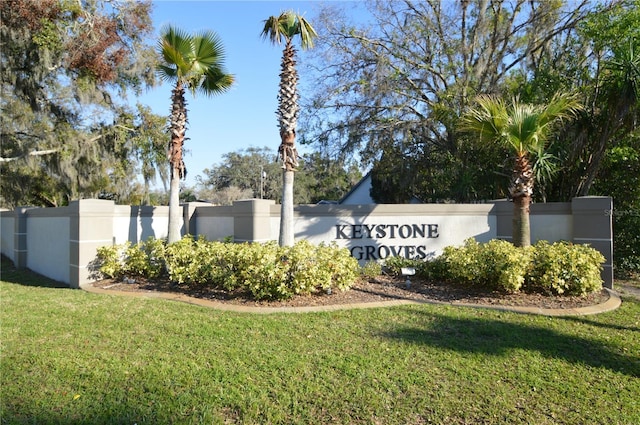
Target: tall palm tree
[
  {"x": 193, "y": 62},
  {"x": 286, "y": 26},
  {"x": 525, "y": 129}
]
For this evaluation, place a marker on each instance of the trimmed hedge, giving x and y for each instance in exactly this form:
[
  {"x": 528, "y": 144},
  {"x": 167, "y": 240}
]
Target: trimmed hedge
[
  {"x": 560, "y": 268},
  {"x": 497, "y": 264},
  {"x": 267, "y": 270}
]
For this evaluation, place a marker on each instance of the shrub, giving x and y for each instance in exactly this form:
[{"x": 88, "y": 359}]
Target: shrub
[
  {"x": 307, "y": 271},
  {"x": 565, "y": 268},
  {"x": 272, "y": 272},
  {"x": 266, "y": 270},
  {"x": 179, "y": 257},
  {"x": 434, "y": 269},
  {"x": 144, "y": 259},
  {"x": 339, "y": 264},
  {"x": 496, "y": 264},
  {"x": 154, "y": 250},
  {"x": 263, "y": 270},
  {"x": 110, "y": 260},
  {"x": 371, "y": 269},
  {"x": 394, "y": 265}
]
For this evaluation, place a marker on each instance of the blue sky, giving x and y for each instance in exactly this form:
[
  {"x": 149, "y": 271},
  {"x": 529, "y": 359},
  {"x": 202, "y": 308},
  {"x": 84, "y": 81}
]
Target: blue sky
[{"x": 244, "y": 116}]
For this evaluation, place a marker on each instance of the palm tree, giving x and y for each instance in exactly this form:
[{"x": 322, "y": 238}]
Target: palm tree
[
  {"x": 525, "y": 129},
  {"x": 288, "y": 25},
  {"x": 194, "y": 62}
]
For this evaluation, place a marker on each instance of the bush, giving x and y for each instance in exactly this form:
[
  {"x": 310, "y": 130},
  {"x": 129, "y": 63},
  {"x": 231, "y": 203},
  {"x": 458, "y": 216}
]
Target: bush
[
  {"x": 145, "y": 259},
  {"x": 565, "y": 268},
  {"x": 559, "y": 268},
  {"x": 110, "y": 260},
  {"x": 394, "y": 265},
  {"x": 266, "y": 270},
  {"x": 272, "y": 272},
  {"x": 497, "y": 264},
  {"x": 371, "y": 269},
  {"x": 179, "y": 257}
]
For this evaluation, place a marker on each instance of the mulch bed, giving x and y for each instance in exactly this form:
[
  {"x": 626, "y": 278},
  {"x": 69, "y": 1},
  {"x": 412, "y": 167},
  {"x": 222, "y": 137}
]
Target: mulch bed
[{"x": 375, "y": 290}]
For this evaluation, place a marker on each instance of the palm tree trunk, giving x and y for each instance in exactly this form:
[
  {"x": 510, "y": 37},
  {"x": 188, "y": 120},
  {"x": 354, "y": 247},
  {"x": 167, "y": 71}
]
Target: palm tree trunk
[
  {"x": 286, "y": 209},
  {"x": 178, "y": 127},
  {"x": 521, "y": 190},
  {"x": 521, "y": 226},
  {"x": 174, "y": 208}
]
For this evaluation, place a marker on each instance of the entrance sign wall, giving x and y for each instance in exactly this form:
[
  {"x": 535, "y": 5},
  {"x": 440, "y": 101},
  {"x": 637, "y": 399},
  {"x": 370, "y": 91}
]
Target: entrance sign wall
[{"x": 61, "y": 243}]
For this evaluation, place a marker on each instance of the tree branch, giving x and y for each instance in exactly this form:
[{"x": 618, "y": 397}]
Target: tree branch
[{"x": 32, "y": 153}]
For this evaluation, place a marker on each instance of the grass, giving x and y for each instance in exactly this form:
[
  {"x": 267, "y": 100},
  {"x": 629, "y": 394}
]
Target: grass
[{"x": 71, "y": 357}]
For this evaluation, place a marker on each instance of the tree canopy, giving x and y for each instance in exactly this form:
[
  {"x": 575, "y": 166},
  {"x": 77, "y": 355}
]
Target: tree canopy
[
  {"x": 63, "y": 67},
  {"x": 391, "y": 90}
]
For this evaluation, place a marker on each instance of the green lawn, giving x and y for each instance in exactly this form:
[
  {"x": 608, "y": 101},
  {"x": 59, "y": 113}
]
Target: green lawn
[{"x": 72, "y": 357}]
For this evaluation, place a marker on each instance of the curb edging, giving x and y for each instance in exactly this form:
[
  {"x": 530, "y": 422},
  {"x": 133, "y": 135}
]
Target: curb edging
[{"x": 612, "y": 303}]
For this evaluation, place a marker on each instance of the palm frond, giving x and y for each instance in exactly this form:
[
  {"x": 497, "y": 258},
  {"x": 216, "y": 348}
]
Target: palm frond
[
  {"x": 307, "y": 33},
  {"x": 562, "y": 106},
  {"x": 216, "y": 82},
  {"x": 167, "y": 73},
  {"x": 272, "y": 30},
  {"x": 207, "y": 50},
  {"x": 487, "y": 120},
  {"x": 287, "y": 25},
  {"x": 175, "y": 47}
]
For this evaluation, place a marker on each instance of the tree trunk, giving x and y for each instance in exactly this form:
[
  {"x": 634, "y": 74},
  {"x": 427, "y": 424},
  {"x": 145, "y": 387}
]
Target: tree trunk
[
  {"x": 521, "y": 227},
  {"x": 174, "y": 207},
  {"x": 286, "y": 209}
]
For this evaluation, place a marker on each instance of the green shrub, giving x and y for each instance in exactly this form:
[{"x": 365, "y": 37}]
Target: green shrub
[
  {"x": 371, "y": 269},
  {"x": 496, "y": 264},
  {"x": 179, "y": 257},
  {"x": 110, "y": 260},
  {"x": 435, "y": 269},
  {"x": 306, "y": 268},
  {"x": 154, "y": 250},
  {"x": 565, "y": 268},
  {"x": 264, "y": 270},
  {"x": 272, "y": 272},
  {"x": 394, "y": 265},
  {"x": 135, "y": 261},
  {"x": 339, "y": 264},
  {"x": 267, "y": 270},
  {"x": 145, "y": 259}
]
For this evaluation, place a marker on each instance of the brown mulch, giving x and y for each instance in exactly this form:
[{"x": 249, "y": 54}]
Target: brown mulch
[{"x": 364, "y": 291}]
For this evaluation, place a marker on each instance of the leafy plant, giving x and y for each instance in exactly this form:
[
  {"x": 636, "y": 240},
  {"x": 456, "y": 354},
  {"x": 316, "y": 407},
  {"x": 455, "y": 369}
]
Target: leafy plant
[
  {"x": 394, "y": 265},
  {"x": 497, "y": 264},
  {"x": 110, "y": 261},
  {"x": 565, "y": 268},
  {"x": 371, "y": 269}
]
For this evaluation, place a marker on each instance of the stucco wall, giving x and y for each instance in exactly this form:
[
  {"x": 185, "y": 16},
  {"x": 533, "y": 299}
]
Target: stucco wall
[
  {"x": 7, "y": 228},
  {"x": 62, "y": 242},
  {"x": 45, "y": 229}
]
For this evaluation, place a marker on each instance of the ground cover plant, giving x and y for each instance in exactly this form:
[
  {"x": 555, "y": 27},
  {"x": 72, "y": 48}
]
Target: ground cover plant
[{"x": 73, "y": 357}]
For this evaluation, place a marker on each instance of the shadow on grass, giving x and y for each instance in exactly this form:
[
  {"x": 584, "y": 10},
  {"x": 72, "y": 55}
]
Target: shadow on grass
[
  {"x": 586, "y": 320},
  {"x": 9, "y": 273},
  {"x": 494, "y": 337}
]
